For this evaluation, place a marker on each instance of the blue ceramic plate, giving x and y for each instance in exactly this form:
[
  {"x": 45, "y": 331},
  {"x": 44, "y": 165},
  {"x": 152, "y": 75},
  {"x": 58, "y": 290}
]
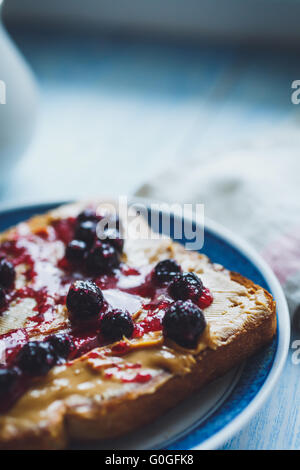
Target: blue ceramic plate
[{"x": 214, "y": 414}]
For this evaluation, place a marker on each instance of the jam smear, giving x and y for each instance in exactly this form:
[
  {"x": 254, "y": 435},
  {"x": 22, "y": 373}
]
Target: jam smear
[
  {"x": 13, "y": 341},
  {"x": 47, "y": 282},
  {"x": 206, "y": 299},
  {"x": 64, "y": 229},
  {"x": 139, "y": 378},
  {"x": 120, "y": 348},
  {"x": 17, "y": 253}
]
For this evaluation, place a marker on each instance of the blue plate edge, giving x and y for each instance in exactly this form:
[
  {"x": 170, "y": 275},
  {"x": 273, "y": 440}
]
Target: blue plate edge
[{"x": 45, "y": 206}]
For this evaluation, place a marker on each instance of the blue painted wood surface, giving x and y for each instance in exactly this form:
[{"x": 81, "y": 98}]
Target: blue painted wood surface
[{"x": 115, "y": 111}]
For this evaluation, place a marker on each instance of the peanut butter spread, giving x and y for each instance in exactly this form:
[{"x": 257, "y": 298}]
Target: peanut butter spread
[{"x": 128, "y": 367}]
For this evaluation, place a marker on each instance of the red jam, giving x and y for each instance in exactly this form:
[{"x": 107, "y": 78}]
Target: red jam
[
  {"x": 140, "y": 377},
  {"x": 206, "y": 299},
  {"x": 64, "y": 229},
  {"x": 124, "y": 374},
  {"x": 120, "y": 348},
  {"x": 50, "y": 276}
]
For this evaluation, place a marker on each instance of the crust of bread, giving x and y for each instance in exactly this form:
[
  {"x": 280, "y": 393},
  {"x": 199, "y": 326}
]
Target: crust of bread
[
  {"x": 118, "y": 416},
  {"x": 127, "y": 414}
]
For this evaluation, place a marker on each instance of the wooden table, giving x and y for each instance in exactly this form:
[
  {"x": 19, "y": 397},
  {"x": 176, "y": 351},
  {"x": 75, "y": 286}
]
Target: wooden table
[{"x": 115, "y": 111}]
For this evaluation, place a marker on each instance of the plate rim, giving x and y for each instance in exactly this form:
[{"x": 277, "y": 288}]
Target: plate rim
[
  {"x": 283, "y": 317},
  {"x": 283, "y": 328},
  {"x": 283, "y": 337}
]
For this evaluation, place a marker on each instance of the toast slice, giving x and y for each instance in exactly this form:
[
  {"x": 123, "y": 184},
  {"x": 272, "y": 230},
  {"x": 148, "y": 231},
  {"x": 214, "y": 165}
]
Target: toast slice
[{"x": 106, "y": 389}]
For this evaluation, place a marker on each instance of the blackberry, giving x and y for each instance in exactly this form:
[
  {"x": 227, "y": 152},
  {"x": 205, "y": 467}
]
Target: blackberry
[
  {"x": 86, "y": 232},
  {"x": 8, "y": 378},
  {"x": 84, "y": 300},
  {"x": 62, "y": 345},
  {"x": 7, "y": 273},
  {"x": 76, "y": 251},
  {"x": 36, "y": 358},
  {"x": 166, "y": 270},
  {"x": 186, "y": 286},
  {"x": 2, "y": 297},
  {"x": 103, "y": 258},
  {"x": 184, "y": 323},
  {"x": 113, "y": 237},
  {"x": 88, "y": 215},
  {"x": 115, "y": 324}
]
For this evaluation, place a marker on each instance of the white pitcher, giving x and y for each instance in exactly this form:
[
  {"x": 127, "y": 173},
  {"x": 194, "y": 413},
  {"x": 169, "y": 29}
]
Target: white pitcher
[{"x": 18, "y": 103}]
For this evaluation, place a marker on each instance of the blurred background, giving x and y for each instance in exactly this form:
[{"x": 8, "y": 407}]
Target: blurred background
[
  {"x": 128, "y": 87},
  {"x": 184, "y": 101}
]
